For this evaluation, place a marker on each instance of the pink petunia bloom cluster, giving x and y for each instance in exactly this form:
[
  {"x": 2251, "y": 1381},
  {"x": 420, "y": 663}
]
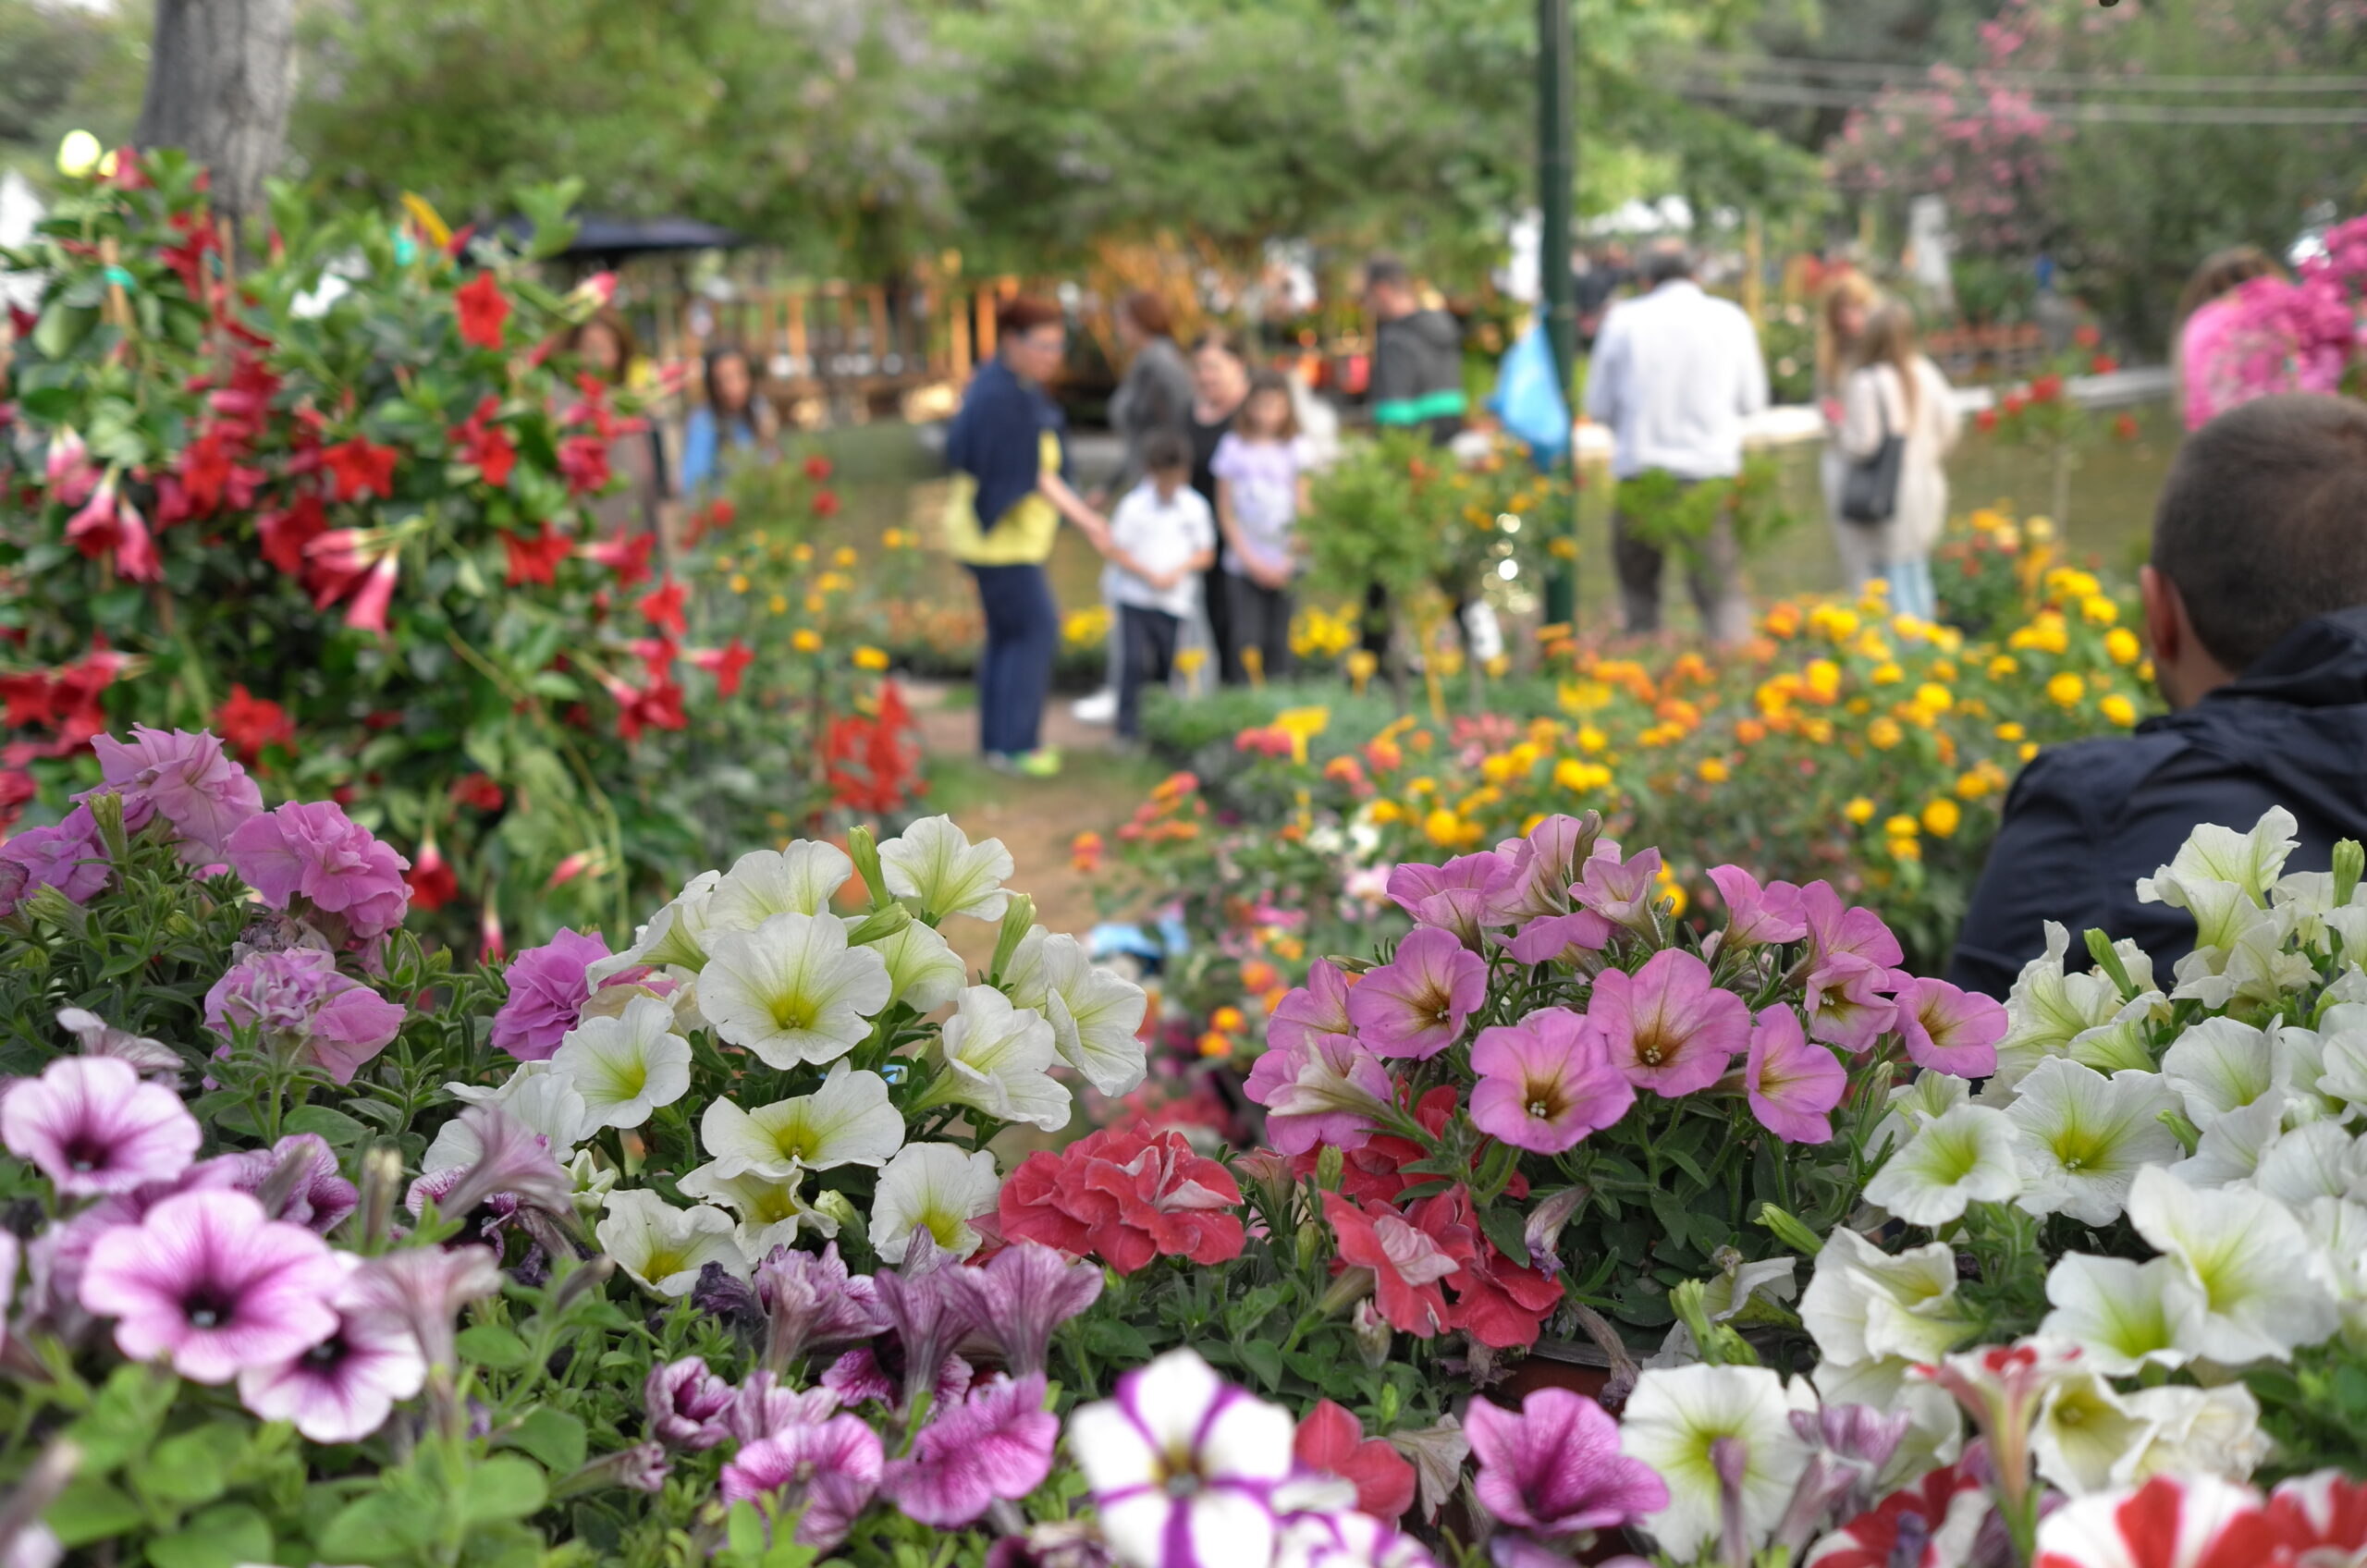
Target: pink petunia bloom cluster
[
  {"x": 296, "y": 1000},
  {"x": 310, "y": 851}
]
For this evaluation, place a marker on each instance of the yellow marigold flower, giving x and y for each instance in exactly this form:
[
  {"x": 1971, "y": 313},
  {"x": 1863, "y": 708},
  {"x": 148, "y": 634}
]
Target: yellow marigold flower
[
  {"x": 1973, "y": 785},
  {"x": 739, "y": 582},
  {"x": 1442, "y": 828},
  {"x": 1873, "y": 646},
  {"x": 869, "y": 657},
  {"x": 778, "y": 603},
  {"x": 806, "y": 640},
  {"x": 2122, "y": 644},
  {"x": 1941, "y": 817},
  {"x": 1934, "y": 696},
  {"x": 1901, "y": 827},
  {"x": 1713, "y": 771},
  {"x": 1906, "y": 848},
  {"x": 1189, "y": 660},
  {"x": 2010, "y": 731},
  {"x": 801, "y": 554},
  {"x": 893, "y": 539},
  {"x": 1385, "y": 812},
  {"x": 2002, "y": 665},
  {"x": 1750, "y": 731},
  {"x": 1824, "y": 680},
  {"x": 1671, "y": 889},
  {"x": 1860, "y": 811},
  {"x": 1886, "y": 674},
  {"x": 2098, "y": 610},
  {"x": 1422, "y": 786},
  {"x": 1214, "y": 1044},
  {"x": 2029, "y": 749},
  {"x": 2067, "y": 688},
  {"x": 1228, "y": 1019},
  {"x": 1818, "y": 731},
  {"x": 2040, "y": 528},
  {"x": 1590, "y": 739},
  {"x": 1495, "y": 767},
  {"x": 842, "y": 557},
  {"x": 1943, "y": 669},
  {"x": 1837, "y": 624},
  {"x": 816, "y": 604},
  {"x": 1883, "y": 734},
  {"x": 2118, "y": 709}
]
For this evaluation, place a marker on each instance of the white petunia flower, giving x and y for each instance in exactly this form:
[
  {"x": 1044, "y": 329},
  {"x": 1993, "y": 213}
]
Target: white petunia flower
[
  {"x": 2343, "y": 1041},
  {"x": 626, "y": 1067},
  {"x": 2252, "y": 861},
  {"x": 1671, "y": 1423},
  {"x": 1917, "y": 1104},
  {"x": 1096, "y": 1017},
  {"x": 935, "y": 864},
  {"x": 1864, "y": 1304},
  {"x": 993, "y": 1059},
  {"x": 770, "y": 1211},
  {"x": 2085, "y": 1435},
  {"x": 791, "y": 990},
  {"x": 921, "y": 966},
  {"x": 2055, "y": 1012},
  {"x": 674, "y": 934},
  {"x": 763, "y": 883},
  {"x": 2315, "y": 1161},
  {"x": 664, "y": 1248},
  {"x": 2248, "y": 1256},
  {"x": 2221, "y": 1065},
  {"x": 1935, "y": 1420},
  {"x": 594, "y": 1182},
  {"x": 2084, "y": 1136},
  {"x": 2252, "y": 965},
  {"x": 538, "y": 1095},
  {"x": 2338, "y": 1232},
  {"x": 934, "y": 1187},
  {"x": 847, "y": 1120},
  {"x": 2196, "y": 1432},
  {"x": 2124, "y": 1315},
  {"x": 2231, "y": 1146},
  {"x": 1965, "y": 1157}
]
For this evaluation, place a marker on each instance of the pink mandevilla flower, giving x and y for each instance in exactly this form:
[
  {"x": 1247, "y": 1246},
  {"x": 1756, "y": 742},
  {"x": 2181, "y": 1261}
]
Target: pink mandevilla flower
[
  {"x": 1415, "y": 1005},
  {"x": 341, "y": 1389},
  {"x": 1948, "y": 1030},
  {"x": 93, "y": 1126},
  {"x": 996, "y": 1443},
  {"x": 1669, "y": 1029},
  {"x": 1757, "y": 915},
  {"x": 1546, "y": 1081},
  {"x": 309, "y": 849},
  {"x": 207, "y": 1280},
  {"x": 1555, "y": 1468},
  {"x": 1319, "y": 1089},
  {"x": 1793, "y": 1085},
  {"x": 829, "y": 1468}
]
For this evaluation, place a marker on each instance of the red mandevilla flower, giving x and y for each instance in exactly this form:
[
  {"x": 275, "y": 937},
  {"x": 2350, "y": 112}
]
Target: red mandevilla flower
[
  {"x": 483, "y": 311},
  {"x": 537, "y": 559},
  {"x": 361, "y": 465},
  {"x": 479, "y": 441},
  {"x": 663, "y": 606},
  {"x": 1125, "y": 1198},
  {"x": 249, "y": 723}
]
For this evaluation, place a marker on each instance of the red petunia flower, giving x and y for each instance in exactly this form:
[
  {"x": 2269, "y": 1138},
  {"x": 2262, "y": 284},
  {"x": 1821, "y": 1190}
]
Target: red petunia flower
[
  {"x": 249, "y": 723},
  {"x": 537, "y": 559},
  {"x": 1332, "y": 1440},
  {"x": 1498, "y": 1301},
  {"x": 1125, "y": 1197},
  {"x": 663, "y": 606},
  {"x": 477, "y": 790},
  {"x": 483, "y": 311},
  {"x": 1407, "y": 1263},
  {"x": 361, "y": 465}
]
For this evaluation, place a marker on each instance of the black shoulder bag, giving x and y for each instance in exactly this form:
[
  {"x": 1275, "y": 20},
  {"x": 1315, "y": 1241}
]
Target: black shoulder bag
[{"x": 1870, "y": 493}]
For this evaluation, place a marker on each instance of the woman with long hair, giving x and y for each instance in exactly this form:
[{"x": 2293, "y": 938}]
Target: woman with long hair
[
  {"x": 1841, "y": 313},
  {"x": 1012, "y": 493},
  {"x": 2206, "y": 312},
  {"x": 1219, "y": 386},
  {"x": 732, "y": 423},
  {"x": 1893, "y": 390},
  {"x": 604, "y": 349}
]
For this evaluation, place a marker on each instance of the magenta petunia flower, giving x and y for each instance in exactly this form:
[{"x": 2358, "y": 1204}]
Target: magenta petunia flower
[
  {"x": 1546, "y": 1081},
  {"x": 1563, "y": 939},
  {"x": 813, "y": 1304},
  {"x": 548, "y": 986},
  {"x": 869, "y": 1376},
  {"x": 1621, "y": 891},
  {"x": 343, "y": 1388},
  {"x": 1848, "y": 1001},
  {"x": 1319, "y": 1089},
  {"x": 312, "y": 849},
  {"x": 1463, "y": 896},
  {"x": 830, "y": 1469},
  {"x": 67, "y": 855},
  {"x": 996, "y": 1443},
  {"x": 686, "y": 1404},
  {"x": 1415, "y": 1004},
  {"x": 186, "y": 779},
  {"x": 1948, "y": 1030},
  {"x": 927, "y": 1310},
  {"x": 1024, "y": 1293},
  {"x": 296, "y": 1180},
  {"x": 1793, "y": 1085},
  {"x": 1555, "y": 1468},
  {"x": 208, "y": 1280},
  {"x": 296, "y": 997},
  {"x": 1757, "y": 915},
  {"x": 1319, "y": 1007},
  {"x": 1669, "y": 1029},
  {"x": 765, "y": 1406},
  {"x": 93, "y": 1126},
  {"x": 152, "y": 1059}
]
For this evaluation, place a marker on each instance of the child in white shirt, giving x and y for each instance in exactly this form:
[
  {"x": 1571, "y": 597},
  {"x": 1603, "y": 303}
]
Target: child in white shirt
[{"x": 1161, "y": 538}]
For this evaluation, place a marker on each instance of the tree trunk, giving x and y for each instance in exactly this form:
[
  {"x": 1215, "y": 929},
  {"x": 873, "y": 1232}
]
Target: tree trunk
[{"x": 220, "y": 80}]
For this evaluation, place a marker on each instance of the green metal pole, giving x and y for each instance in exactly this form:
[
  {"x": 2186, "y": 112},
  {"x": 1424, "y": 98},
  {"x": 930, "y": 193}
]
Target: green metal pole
[{"x": 1556, "y": 179}]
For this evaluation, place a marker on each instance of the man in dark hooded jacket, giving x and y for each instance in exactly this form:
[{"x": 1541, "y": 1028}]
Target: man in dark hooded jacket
[
  {"x": 2256, "y": 608},
  {"x": 1417, "y": 356}
]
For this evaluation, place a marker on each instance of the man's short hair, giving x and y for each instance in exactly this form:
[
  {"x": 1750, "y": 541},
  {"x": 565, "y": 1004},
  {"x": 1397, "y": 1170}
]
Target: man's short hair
[
  {"x": 2263, "y": 522},
  {"x": 1387, "y": 272},
  {"x": 1166, "y": 451},
  {"x": 1667, "y": 261}
]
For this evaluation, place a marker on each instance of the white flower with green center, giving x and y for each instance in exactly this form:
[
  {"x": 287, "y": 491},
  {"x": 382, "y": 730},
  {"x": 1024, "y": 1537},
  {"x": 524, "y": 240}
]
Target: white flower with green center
[
  {"x": 2251, "y": 861},
  {"x": 847, "y": 1120},
  {"x": 771, "y": 1211},
  {"x": 2124, "y": 1315},
  {"x": 1863, "y": 1305},
  {"x": 2248, "y": 1256},
  {"x": 2196, "y": 1432},
  {"x": 791, "y": 990},
  {"x": 934, "y": 865},
  {"x": 594, "y": 1182},
  {"x": 2221, "y": 1065},
  {"x": 922, "y": 967},
  {"x": 1915, "y": 1105},
  {"x": 2338, "y": 1231},
  {"x": 1096, "y": 1016},
  {"x": 664, "y": 1247},
  {"x": 2231, "y": 1148},
  {"x": 763, "y": 883},
  {"x": 2084, "y": 1136},
  {"x": 2315, "y": 1161},
  {"x": 1964, "y": 1157},
  {"x": 937, "y": 1188},
  {"x": 2085, "y": 1435},
  {"x": 538, "y": 1095},
  {"x": 994, "y": 1059},
  {"x": 675, "y": 935},
  {"x": 2342, "y": 1044},
  {"x": 2051, "y": 1006},
  {"x": 626, "y": 1067},
  {"x": 1675, "y": 1416},
  {"x": 1935, "y": 1421}
]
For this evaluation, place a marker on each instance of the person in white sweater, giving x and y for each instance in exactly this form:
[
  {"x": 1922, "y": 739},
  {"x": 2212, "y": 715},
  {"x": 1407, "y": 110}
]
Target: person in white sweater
[{"x": 1892, "y": 389}]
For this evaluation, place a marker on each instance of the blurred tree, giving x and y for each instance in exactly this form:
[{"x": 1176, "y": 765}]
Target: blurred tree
[
  {"x": 219, "y": 85},
  {"x": 63, "y": 67}
]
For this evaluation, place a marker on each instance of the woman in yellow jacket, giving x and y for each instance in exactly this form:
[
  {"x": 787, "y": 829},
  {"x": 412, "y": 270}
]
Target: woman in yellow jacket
[{"x": 1006, "y": 442}]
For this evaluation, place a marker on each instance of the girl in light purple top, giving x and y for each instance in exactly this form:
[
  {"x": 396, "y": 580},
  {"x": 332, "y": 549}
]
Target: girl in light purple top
[{"x": 1261, "y": 473}]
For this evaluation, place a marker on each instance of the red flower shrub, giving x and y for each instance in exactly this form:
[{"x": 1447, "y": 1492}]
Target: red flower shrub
[
  {"x": 584, "y": 463},
  {"x": 361, "y": 465},
  {"x": 868, "y": 759},
  {"x": 478, "y": 789},
  {"x": 1499, "y": 1302},
  {"x": 628, "y": 558},
  {"x": 818, "y": 468},
  {"x": 1407, "y": 1263},
  {"x": 479, "y": 441},
  {"x": 1332, "y": 1440},
  {"x": 284, "y": 530},
  {"x": 431, "y": 881},
  {"x": 825, "y": 503},
  {"x": 537, "y": 559},
  {"x": 249, "y": 723},
  {"x": 663, "y": 606},
  {"x": 1125, "y": 1197},
  {"x": 483, "y": 309},
  {"x": 727, "y": 664}
]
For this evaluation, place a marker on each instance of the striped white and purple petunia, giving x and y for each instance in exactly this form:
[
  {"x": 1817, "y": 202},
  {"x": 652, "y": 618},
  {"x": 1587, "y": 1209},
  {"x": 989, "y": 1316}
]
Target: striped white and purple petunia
[
  {"x": 1184, "y": 1467},
  {"x": 94, "y": 1126}
]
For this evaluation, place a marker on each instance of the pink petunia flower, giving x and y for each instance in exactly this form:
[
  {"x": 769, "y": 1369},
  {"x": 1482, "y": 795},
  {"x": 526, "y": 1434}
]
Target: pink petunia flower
[
  {"x": 296, "y": 999},
  {"x": 301, "y": 1170},
  {"x": 1668, "y": 1028},
  {"x": 1793, "y": 1085},
  {"x": 67, "y": 855},
  {"x": 686, "y": 1404},
  {"x": 548, "y": 986},
  {"x": 765, "y": 1406},
  {"x": 186, "y": 779},
  {"x": 1837, "y": 928},
  {"x": 1848, "y": 1001},
  {"x": 1463, "y": 896},
  {"x": 811, "y": 1302},
  {"x": 1407, "y": 1264},
  {"x": 1415, "y": 1005},
  {"x": 1621, "y": 891},
  {"x": 207, "y": 1280},
  {"x": 1545, "y": 862},
  {"x": 1563, "y": 938},
  {"x": 1024, "y": 1293},
  {"x": 1546, "y": 1081},
  {"x": 1319, "y": 1007},
  {"x": 830, "y": 1469},
  {"x": 1759, "y": 915},
  {"x": 1555, "y": 1468},
  {"x": 93, "y": 1126},
  {"x": 1949, "y": 1030},
  {"x": 343, "y": 1388},
  {"x": 996, "y": 1443},
  {"x": 1319, "y": 1089},
  {"x": 311, "y": 850}
]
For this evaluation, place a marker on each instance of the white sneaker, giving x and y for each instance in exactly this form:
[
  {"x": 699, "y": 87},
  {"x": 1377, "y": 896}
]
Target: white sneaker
[{"x": 1099, "y": 708}]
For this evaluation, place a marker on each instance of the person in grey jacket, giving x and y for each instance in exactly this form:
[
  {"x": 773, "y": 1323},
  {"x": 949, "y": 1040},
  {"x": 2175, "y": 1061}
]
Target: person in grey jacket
[{"x": 1155, "y": 393}]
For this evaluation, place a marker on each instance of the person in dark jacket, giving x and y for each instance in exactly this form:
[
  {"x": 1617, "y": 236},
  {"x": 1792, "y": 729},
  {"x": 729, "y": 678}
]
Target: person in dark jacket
[
  {"x": 1417, "y": 356},
  {"x": 2256, "y": 607}
]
